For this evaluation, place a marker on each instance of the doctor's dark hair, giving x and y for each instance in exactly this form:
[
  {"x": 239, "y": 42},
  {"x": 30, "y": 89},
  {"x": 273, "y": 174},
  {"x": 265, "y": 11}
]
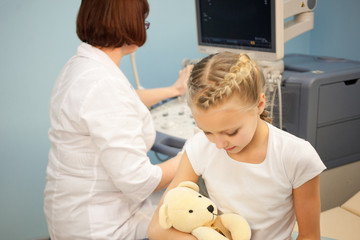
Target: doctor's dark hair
[
  {"x": 112, "y": 23},
  {"x": 224, "y": 75}
]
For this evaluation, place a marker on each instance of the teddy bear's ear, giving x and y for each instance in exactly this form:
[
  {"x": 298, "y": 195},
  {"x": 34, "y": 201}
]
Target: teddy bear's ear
[
  {"x": 164, "y": 220},
  {"x": 190, "y": 185}
]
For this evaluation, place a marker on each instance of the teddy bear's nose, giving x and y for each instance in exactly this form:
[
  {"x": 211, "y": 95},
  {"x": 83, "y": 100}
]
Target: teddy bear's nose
[{"x": 210, "y": 208}]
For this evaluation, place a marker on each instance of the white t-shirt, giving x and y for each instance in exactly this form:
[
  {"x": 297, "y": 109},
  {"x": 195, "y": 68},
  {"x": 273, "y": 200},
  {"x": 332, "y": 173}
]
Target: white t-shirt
[
  {"x": 262, "y": 193},
  {"x": 98, "y": 176}
]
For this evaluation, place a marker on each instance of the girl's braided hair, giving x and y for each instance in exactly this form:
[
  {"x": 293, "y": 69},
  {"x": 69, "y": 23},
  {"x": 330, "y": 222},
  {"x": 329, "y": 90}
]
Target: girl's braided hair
[{"x": 223, "y": 75}]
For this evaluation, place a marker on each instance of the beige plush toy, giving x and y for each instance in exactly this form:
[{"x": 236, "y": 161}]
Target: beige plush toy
[{"x": 186, "y": 210}]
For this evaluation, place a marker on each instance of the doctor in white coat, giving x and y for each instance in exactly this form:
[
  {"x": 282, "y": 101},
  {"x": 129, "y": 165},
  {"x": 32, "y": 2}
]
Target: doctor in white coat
[{"x": 99, "y": 177}]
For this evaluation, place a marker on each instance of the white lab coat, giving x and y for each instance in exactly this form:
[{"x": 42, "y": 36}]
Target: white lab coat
[{"x": 98, "y": 176}]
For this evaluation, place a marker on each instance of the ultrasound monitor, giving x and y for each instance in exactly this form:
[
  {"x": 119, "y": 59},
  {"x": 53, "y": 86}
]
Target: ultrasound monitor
[{"x": 252, "y": 26}]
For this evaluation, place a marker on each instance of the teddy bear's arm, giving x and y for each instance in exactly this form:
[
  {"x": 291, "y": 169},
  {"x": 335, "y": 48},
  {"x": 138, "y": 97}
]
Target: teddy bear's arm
[
  {"x": 237, "y": 225},
  {"x": 207, "y": 233}
]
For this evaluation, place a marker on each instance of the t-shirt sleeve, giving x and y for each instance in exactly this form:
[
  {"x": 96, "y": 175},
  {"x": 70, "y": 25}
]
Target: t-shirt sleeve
[
  {"x": 194, "y": 147},
  {"x": 304, "y": 164}
]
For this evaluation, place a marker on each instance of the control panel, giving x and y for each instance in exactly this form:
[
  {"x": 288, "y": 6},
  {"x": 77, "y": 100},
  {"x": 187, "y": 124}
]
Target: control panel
[
  {"x": 174, "y": 124},
  {"x": 174, "y": 118}
]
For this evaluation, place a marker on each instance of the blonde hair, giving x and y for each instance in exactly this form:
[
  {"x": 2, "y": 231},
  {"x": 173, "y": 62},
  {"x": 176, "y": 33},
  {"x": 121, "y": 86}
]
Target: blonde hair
[{"x": 221, "y": 76}]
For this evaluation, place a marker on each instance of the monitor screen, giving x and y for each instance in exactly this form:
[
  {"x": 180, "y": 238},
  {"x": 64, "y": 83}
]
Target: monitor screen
[{"x": 252, "y": 26}]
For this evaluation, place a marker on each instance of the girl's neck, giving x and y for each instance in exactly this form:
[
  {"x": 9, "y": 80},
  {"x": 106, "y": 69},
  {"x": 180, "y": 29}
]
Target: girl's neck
[{"x": 255, "y": 151}]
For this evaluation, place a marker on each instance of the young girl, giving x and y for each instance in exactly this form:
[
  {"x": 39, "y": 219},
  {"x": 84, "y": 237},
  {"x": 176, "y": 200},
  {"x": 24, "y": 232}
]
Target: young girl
[{"x": 250, "y": 167}]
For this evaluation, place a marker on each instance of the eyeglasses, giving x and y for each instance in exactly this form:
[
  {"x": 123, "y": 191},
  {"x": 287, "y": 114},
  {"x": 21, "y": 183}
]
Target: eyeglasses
[{"x": 147, "y": 25}]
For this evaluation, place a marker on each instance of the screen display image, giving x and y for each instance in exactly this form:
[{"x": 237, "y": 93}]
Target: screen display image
[{"x": 248, "y": 25}]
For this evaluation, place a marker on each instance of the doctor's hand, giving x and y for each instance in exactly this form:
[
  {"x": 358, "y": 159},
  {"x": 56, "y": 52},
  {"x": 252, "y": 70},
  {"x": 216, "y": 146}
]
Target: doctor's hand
[
  {"x": 181, "y": 83},
  {"x": 153, "y": 96}
]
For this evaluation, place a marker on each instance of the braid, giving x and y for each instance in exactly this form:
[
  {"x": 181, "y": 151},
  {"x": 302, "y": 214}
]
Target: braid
[
  {"x": 265, "y": 116},
  {"x": 220, "y": 76}
]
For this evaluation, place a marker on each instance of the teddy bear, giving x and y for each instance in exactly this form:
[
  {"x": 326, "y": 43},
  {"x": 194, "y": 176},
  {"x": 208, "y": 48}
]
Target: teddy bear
[{"x": 185, "y": 209}]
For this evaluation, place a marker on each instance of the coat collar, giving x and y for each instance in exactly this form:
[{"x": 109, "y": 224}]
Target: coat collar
[{"x": 88, "y": 51}]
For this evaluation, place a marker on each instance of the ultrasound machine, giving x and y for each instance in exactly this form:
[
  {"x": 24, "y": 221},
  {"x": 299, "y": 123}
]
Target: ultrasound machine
[{"x": 309, "y": 96}]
